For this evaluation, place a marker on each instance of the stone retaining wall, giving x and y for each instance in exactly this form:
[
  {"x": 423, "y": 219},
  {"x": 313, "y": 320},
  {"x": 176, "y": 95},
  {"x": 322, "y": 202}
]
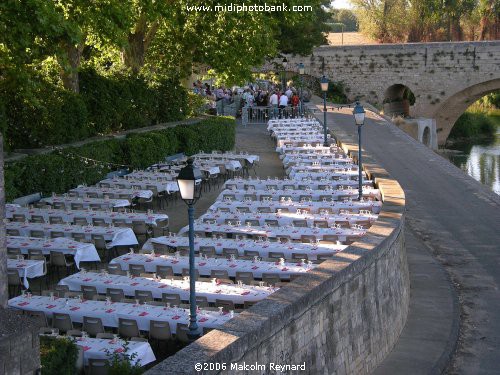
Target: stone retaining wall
[{"x": 341, "y": 318}]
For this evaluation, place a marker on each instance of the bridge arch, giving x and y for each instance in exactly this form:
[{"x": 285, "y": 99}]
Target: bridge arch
[
  {"x": 397, "y": 100},
  {"x": 448, "y": 113}
]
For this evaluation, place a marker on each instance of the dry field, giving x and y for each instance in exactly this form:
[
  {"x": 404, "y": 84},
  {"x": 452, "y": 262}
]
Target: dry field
[{"x": 352, "y": 38}]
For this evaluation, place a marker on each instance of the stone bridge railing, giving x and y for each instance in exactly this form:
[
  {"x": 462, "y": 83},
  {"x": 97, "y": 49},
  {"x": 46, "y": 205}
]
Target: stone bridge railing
[{"x": 343, "y": 317}]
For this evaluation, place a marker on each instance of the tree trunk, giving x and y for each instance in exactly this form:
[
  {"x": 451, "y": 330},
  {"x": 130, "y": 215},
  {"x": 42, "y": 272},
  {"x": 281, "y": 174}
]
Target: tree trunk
[
  {"x": 4, "y": 292},
  {"x": 69, "y": 74},
  {"x": 138, "y": 42}
]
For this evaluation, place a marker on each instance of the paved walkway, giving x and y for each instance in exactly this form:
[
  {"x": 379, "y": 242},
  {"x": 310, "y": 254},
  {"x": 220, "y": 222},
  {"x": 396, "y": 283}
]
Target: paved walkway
[
  {"x": 253, "y": 139},
  {"x": 457, "y": 220}
]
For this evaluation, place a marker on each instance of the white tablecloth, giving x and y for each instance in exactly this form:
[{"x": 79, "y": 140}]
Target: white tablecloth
[
  {"x": 240, "y": 184},
  {"x": 152, "y": 175},
  {"x": 308, "y": 149},
  {"x": 161, "y": 186},
  {"x": 82, "y": 252},
  {"x": 27, "y": 269},
  {"x": 324, "y": 176},
  {"x": 228, "y": 155},
  {"x": 69, "y": 215},
  {"x": 284, "y": 218},
  {"x": 272, "y": 232},
  {"x": 310, "y": 160},
  {"x": 97, "y": 349},
  {"x": 110, "y": 313},
  {"x": 335, "y": 206},
  {"x": 262, "y": 247},
  {"x": 116, "y": 236},
  {"x": 295, "y": 140},
  {"x": 132, "y": 193},
  {"x": 315, "y": 195},
  {"x": 204, "y": 266},
  {"x": 86, "y": 202},
  {"x": 235, "y": 293}
]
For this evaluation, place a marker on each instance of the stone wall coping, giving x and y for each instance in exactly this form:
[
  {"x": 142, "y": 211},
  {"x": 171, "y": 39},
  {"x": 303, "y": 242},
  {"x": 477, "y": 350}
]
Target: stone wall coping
[
  {"x": 230, "y": 342},
  {"x": 402, "y": 47},
  {"x": 20, "y": 154}
]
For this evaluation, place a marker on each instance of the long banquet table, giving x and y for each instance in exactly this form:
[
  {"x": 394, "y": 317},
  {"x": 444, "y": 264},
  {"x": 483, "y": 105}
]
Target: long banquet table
[
  {"x": 296, "y": 194},
  {"x": 284, "y": 218},
  {"x": 294, "y": 233},
  {"x": 314, "y": 207},
  {"x": 68, "y": 216},
  {"x": 81, "y": 251},
  {"x": 206, "y": 265},
  {"x": 109, "y": 313},
  {"x": 211, "y": 290},
  {"x": 116, "y": 236},
  {"x": 240, "y": 184},
  {"x": 82, "y": 191},
  {"x": 94, "y": 348},
  {"x": 86, "y": 202}
]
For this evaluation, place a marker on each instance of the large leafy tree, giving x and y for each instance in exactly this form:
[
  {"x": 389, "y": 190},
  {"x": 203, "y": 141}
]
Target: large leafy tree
[
  {"x": 231, "y": 43},
  {"x": 99, "y": 23},
  {"x": 29, "y": 32}
]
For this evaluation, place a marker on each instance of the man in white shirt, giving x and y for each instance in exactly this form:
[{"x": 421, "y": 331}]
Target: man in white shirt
[
  {"x": 283, "y": 104},
  {"x": 273, "y": 102},
  {"x": 289, "y": 93}
]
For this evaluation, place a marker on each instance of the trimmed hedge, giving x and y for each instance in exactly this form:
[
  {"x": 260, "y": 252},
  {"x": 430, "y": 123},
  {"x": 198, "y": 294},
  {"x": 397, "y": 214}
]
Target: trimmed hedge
[
  {"x": 58, "y": 356},
  {"x": 64, "y": 169},
  {"x": 46, "y": 114}
]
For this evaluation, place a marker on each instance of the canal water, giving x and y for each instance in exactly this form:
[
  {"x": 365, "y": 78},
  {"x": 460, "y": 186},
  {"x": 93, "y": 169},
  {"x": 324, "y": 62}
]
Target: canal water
[{"x": 481, "y": 160}]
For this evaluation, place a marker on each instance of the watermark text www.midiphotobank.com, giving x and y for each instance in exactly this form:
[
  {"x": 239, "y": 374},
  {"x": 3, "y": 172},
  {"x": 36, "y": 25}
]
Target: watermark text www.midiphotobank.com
[{"x": 240, "y": 8}]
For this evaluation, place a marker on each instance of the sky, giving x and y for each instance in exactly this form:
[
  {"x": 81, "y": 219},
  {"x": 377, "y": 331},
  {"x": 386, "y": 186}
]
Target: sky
[{"x": 341, "y": 4}]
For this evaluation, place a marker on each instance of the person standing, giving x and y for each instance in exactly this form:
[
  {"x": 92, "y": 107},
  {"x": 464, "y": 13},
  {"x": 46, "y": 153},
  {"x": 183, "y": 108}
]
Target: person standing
[
  {"x": 283, "y": 102},
  {"x": 295, "y": 104},
  {"x": 273, "y": 102}
]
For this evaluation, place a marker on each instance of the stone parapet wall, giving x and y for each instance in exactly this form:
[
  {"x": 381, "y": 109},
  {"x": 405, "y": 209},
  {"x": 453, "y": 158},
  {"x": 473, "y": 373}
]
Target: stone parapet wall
[
  {"x": 19, "y": 344},
  {"x": 343, "y": 317}
]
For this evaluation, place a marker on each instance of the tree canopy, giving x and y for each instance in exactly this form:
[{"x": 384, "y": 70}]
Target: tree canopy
[{"x": 150, "y": 37}]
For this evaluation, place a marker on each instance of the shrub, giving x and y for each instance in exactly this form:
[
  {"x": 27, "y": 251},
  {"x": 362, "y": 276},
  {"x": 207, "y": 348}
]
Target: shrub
[
  {"x": 45, "y": 114},
  {"x": 58, "y": 355},
  {"x": 64, "y": 169},
  {"x": 473, "y": 125}
]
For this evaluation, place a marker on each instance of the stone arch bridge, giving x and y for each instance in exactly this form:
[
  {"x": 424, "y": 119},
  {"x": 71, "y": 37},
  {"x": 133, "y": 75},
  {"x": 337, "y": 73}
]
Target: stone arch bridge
[{"x": 445, "y": 78}]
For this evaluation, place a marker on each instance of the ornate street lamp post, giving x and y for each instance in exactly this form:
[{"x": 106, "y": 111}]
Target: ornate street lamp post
[
  {"x": 324, "y": 87},
  {"x": 359, "y": 119},
  {"x": 189, "y": 182},
  {"x": 285, "y": 65},
  {"x": 301, "y": 74}
]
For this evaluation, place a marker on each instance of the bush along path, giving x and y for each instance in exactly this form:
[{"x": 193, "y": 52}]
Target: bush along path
[{"x": 65, "y": 168}]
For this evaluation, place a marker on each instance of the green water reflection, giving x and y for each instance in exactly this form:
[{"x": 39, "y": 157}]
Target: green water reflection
[{"x": 480, "y": 160}]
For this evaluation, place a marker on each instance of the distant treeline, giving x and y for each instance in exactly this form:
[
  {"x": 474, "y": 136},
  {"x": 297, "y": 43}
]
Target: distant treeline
[
  {"x": 342, "y": 20},
  {"x": 390, "y": 21}
]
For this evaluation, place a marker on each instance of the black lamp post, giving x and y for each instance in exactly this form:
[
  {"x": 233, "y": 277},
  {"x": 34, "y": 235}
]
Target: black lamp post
[
  {"x": 189, "y": 182},
  {"x": 301, "y": 74},
  {"x": 359, "y": 119},
  {"x": 324, "y": 87},
  {"x": 285, "y": 64}
]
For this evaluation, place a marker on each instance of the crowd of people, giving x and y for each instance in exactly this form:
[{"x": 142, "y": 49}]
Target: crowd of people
[{"x": 281, "y": 103}]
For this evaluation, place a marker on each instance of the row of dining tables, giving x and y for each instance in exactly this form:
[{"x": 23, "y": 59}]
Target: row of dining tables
[
  {"x": 91, "y": 211},
  {"x": 270, "y": 227}
]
